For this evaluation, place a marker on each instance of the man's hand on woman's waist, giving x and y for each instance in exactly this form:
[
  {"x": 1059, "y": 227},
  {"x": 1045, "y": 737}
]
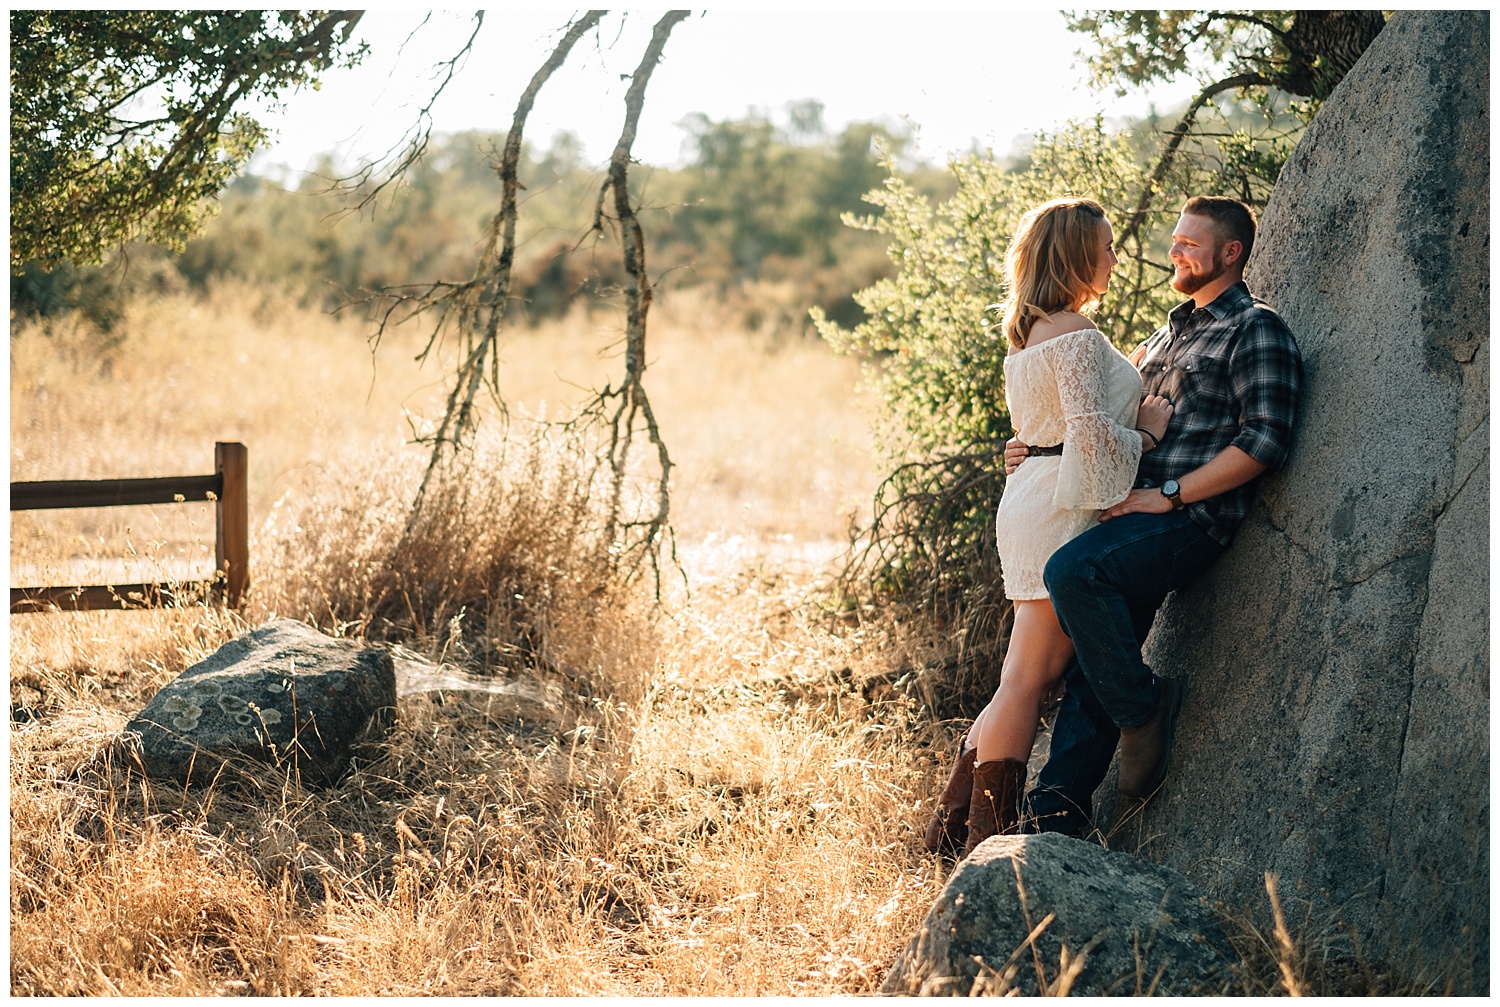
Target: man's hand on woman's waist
[{"x": 1015, "y": 454}]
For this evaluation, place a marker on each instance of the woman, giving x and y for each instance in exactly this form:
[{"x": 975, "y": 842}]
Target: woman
[{"x": 1071, "y": 391}]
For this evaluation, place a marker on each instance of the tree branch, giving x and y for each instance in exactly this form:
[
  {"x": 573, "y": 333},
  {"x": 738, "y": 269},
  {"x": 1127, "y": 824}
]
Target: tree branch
[
  {"x": 1131, "y": 230},
  {"x": 494, "y": 273},
  {"x": 414, "y": 143},
  {"x": 633, "y": 400},
  {"x": 1247, "y": 19}
]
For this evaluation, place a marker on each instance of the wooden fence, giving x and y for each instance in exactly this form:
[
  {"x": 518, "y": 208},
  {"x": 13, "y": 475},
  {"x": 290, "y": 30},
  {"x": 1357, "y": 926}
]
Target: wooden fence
[{"x": 228, "y": 486}]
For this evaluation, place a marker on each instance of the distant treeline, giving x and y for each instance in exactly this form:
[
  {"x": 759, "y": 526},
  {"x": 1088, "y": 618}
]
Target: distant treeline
[{"x": 755, "y": 213}]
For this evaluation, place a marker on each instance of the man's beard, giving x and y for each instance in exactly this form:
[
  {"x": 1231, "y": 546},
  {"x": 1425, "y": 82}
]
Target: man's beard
[{"x": 1191, "y": 283}]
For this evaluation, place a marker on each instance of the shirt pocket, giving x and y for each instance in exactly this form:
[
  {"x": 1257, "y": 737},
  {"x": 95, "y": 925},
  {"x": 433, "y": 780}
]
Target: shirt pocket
[
  {"x": 1173, "y": 380},
  {"x": 1201, "y": 382}
]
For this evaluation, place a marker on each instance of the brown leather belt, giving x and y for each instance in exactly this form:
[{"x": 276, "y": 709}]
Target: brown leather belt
[{"x": 1032, "y": 449}]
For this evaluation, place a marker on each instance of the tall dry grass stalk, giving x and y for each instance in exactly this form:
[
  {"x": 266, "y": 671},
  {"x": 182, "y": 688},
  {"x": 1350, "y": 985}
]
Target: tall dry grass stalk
[{"x": 506, "y": 542}]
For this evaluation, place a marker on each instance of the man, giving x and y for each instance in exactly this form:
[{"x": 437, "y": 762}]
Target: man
[{"x": 1232, "y": 371}]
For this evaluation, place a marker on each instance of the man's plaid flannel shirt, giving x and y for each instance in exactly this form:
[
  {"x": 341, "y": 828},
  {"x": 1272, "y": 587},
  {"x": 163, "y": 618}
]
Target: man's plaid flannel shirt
[{"x": 1233, "y": 374}]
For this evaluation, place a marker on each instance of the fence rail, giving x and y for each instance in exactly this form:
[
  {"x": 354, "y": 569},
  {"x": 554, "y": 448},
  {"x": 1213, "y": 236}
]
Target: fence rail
[
  {"x": 228, "y": 488},
  {"x": 114, "y": 492}
]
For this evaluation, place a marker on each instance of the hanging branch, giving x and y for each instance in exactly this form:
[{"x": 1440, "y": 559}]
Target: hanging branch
[
  {"x": 476, "y": 307},
  {"x": 622, "y": 407},
  {"x": 413, "y": 145}
]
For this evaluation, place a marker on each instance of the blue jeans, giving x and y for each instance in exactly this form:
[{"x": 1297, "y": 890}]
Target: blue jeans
[{"x": 1106, "y": 586}]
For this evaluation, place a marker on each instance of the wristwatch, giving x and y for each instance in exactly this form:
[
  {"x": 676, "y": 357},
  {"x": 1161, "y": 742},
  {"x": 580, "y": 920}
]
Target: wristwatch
[{"x": 1173, "y": 492}]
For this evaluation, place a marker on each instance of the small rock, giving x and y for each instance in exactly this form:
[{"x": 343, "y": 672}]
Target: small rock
[
  {"x": 283, "y": 694},
  {"x": 1122, "y": 926}
]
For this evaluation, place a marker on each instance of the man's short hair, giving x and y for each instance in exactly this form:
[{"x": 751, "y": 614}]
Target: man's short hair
[{"x": 1233, "y": 220}]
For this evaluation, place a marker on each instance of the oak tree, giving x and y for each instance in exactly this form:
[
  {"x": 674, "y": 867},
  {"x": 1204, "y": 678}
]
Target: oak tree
[{"x": 123, "y": 123}]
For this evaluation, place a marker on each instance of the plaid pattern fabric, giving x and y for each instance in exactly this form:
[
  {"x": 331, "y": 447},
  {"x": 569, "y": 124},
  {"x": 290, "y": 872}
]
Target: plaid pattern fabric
[{"x": 1233, "y": 374}]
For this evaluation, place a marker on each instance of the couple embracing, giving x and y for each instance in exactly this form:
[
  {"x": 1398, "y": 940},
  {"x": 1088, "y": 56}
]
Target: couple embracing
[{"x": 1127, "y": 479}]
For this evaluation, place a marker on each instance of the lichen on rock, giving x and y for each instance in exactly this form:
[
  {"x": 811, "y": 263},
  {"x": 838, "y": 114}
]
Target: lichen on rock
[{"x": 338, "y": 696}]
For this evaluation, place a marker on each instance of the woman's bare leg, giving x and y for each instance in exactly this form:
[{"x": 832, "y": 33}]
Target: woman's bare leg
[{"x": 1037, "y": 656}]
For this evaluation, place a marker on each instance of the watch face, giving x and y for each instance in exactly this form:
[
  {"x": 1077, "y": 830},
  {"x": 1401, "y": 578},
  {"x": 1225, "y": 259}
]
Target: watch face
[{"x": 1170, "y": 488}]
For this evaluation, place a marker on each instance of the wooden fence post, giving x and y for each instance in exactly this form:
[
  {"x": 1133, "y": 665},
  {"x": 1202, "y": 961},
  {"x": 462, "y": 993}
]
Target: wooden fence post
[{"x": 232, "y": 532}]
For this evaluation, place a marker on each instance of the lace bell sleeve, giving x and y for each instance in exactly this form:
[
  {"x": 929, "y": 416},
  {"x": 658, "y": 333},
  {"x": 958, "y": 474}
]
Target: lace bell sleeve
[{"x": 1100, "y": 456}]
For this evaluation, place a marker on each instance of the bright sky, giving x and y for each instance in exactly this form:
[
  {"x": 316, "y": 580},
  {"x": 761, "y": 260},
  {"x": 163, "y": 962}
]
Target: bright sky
[{"x": 961, "y": 76}]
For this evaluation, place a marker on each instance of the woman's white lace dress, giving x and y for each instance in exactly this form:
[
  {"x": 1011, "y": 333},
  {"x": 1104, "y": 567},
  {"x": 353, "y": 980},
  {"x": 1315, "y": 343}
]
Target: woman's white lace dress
[{"x": 1079, "y": 391}]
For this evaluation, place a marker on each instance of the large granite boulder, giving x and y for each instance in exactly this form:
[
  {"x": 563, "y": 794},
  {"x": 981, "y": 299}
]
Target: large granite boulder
[
  {"x": 1118, "y": 926},
  {"x": 1336, "y": 727},
  {"x": 283, "y": 694}
]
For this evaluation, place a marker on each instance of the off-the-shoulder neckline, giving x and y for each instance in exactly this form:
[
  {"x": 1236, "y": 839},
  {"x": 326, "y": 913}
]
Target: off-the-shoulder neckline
[{"x": 1053, "y": 339}]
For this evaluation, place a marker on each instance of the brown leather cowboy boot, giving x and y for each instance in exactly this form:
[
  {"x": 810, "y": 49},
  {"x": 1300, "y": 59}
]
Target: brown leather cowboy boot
[
  {"x": 995, "y": 805},
  {"x": 948, "y": 827},
  {"x": 1146, "y": 750}
]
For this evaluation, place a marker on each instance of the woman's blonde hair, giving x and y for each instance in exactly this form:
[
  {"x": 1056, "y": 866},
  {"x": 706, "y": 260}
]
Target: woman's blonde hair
[{"x": 1050, "y": 264}]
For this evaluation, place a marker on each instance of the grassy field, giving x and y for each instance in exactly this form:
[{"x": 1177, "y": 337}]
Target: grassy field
[
  {"x": 710, "y": 813},
  {"x": 707, "y": 803}
]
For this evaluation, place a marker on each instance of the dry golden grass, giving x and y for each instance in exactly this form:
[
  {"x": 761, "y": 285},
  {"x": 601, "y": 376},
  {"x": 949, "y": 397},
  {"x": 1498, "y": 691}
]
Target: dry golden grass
[
  {"x": 707, "y": 803},
  {"x": 708, "y": 807}
]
